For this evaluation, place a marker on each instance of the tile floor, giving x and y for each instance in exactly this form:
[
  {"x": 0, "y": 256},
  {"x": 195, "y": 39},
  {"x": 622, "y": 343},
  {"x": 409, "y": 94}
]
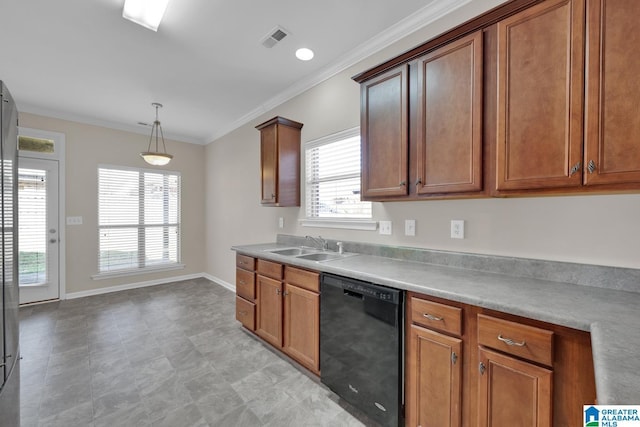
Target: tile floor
[{"x": 168, "y": 355}]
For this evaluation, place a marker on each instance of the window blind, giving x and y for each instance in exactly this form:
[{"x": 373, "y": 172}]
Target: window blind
[
  {"x": 138, "y": 218},
  {"x": 333, "y": 177}
]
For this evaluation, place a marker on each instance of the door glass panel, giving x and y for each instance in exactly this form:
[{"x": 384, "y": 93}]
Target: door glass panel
[
  {"x": 32, "y": 226},
  {"x": 38, "y": 145}
]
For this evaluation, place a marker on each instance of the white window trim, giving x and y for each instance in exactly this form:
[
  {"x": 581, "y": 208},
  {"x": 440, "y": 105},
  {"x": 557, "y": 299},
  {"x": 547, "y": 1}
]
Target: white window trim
[
  {"x": 367, "y": 224},
  {"x": 149, "y": 269}
]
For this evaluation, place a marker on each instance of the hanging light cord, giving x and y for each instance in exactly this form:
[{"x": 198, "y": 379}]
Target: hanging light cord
[{"x": 156, "y": 126}]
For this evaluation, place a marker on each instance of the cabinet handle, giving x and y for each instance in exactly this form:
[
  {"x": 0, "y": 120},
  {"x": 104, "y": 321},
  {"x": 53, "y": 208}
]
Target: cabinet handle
[
  {"x": 403, "y": 183},
  {"x": 242, "y": 313},
  {"x": 454, "y": 358},
  {"x": 285, "y": 293},
  {"x": 273, "y": 196},
  {"x": 591, "y": 167},
  {"x": 574, "y": 169},
  {"x": 509, "y": 341},
  {"x": 242, "y": 282},
  {"x": 432, "y": 317},
  {"x": 419, "y": 181},
  {"x": 482, "y": 368},
  {"x": 277, "y": 291}
]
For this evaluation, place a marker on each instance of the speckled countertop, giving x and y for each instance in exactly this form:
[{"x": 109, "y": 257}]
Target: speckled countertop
[{"x": 612, "y": 316}]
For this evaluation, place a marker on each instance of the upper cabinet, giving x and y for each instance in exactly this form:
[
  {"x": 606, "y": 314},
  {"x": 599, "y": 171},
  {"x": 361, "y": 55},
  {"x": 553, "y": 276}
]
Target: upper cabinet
[
  {"x": 449, "y": 118},
  {"x": 280, "y": 162},
  {"x": 540, "y": 85},
  {"x": 385, "y": 134},
  {"x": 533, "y": 97},
  {"x": 612, "y": 140},
  {"x": 421, "y": 125}
]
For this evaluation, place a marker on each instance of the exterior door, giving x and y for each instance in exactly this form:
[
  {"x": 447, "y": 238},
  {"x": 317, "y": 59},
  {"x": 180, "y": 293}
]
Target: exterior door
[{"x": 38, "y": 230}]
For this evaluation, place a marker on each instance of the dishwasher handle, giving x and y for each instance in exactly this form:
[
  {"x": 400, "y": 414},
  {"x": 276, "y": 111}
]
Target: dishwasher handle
[{"x": 348, "y": 293}]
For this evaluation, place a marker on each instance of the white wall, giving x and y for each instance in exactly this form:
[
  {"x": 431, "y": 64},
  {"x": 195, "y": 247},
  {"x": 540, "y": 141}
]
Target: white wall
[
  {"x": 586, "y": 229},
  {"x": 87, "y": 146}
]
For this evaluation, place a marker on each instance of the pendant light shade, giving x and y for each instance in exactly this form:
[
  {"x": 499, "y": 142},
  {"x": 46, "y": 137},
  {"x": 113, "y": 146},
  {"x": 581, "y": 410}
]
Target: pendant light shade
[{"x": 156, "y": 157}]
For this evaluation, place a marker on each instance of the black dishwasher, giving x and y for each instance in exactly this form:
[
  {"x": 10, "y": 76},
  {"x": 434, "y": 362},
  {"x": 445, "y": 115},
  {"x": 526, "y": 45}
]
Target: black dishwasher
[{"x": 361, "y": 357}]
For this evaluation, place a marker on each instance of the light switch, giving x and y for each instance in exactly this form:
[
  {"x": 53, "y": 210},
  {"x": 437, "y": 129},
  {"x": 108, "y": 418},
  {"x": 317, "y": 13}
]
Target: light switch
[
  {"x": 385, "y": 227},
  {"x": 74, "y": 220}
]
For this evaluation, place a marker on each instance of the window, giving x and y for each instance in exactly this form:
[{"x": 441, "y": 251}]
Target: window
[
  {"x": 138, "y": 219},
  {"x": 333, "y": 178}
]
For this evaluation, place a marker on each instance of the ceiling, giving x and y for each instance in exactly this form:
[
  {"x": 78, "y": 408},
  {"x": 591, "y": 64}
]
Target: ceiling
[{"x": 80, "y": 60}]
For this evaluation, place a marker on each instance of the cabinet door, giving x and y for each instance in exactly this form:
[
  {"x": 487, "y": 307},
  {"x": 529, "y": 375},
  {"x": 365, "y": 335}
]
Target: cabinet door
[
  {"x": 540, "y": 94},
  {"x": 269, "y": 164},
  {"x": 269, "y": 301},
  {"x": 449, "y": 128},
  {"x": 433, "y": 373},
  {"x": 384, "y": 130},
  {"x": 513, "y": 392},
  {"x": 302, "y": 326},
  {"x": 612, "y": 150}
]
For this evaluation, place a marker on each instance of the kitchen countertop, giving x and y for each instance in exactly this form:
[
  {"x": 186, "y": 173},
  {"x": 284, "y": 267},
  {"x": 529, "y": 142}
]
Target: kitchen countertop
[{"x": 611, "y": 316}]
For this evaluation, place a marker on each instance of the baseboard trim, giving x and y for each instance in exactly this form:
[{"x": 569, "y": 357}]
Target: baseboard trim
[
  {"x": 219, "y": 281},
  {"x": 109, "y": 289}
]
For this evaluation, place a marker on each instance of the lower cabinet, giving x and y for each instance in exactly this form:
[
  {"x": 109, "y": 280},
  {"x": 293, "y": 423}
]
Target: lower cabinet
[
  {"x": 269, "y": 325},
  {"x": 434, "y": 387},
  {"x": 287, "y": 310},
  {"x": 513, "y": 392},
  {"x": 472, "y": 367}
]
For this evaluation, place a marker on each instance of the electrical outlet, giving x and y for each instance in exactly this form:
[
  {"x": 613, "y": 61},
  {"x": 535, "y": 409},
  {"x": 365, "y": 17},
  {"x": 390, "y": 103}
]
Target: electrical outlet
[
  {"x": 457, "y": 229},
  {"x": 281, "y": 222},
  {"x": 409, "y": 227},
  {"x": 74, "y": 220},
  {"x": 385, "y": 227}
]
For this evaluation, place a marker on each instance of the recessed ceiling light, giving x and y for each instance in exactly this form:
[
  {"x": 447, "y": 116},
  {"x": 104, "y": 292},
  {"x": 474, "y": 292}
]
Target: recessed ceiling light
[
  {"x": 147, "y": 13},
  {"x": 304, "y": 54}
]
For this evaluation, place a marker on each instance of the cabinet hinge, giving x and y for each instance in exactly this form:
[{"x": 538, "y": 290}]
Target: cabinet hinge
[
  {"x": 482, "y": 368},
  {"x": 454, "y": 358}
]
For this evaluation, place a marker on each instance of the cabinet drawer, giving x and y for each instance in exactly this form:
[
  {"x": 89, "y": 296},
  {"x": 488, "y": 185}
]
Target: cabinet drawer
[
  {"x": 246, "y": 283},
  {"x": 520, "y": 340},
  {"x": 246, "y": 313},
  {"x": 245, "y": 262},
  {"x": 270, "y": 269},
  {"x": 436, "y": 316},
  {"x": 302, "y": 278}
]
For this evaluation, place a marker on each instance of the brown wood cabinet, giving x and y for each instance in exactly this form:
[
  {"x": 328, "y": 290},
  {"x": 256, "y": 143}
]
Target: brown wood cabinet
[
  {"x": 535, "y": 97},
  {"x": 302, "y": 317},
  {"x": 385, "y": 134},
  {"x": 269, "y": 324},
  {"x": 286, "y": 307},
  {"x": 434, "y": 374},
  {"x": 280, "y": 162},
  {"x": 612, "y": 140},
  {"x": 421, "y": 125},
  {"x": 540, "y": 86},
  {"x": 514, "y": 392},
  {"x": 508, "y": 370},
  {"x": 246, "y": 291},
  {"x": 449, "y": 118}
]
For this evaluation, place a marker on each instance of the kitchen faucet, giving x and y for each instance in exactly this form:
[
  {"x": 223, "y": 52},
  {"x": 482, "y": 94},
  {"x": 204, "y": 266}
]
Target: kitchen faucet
[{"x": 319, "y": 242}]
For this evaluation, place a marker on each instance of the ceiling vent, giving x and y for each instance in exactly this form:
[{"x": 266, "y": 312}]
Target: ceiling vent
[{"x": 274, "y": 36}]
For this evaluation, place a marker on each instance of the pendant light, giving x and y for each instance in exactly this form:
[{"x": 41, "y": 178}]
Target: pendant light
[{"x": 156, "y": 158}]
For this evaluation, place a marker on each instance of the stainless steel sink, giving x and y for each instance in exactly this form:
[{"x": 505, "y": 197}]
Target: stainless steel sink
[
  {"x": 294, "y": 251},
  {"x": 323, "y": 256}
]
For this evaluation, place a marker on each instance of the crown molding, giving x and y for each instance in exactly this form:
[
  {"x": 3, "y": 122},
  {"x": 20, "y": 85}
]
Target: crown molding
[{"x": 423, "y": 17}]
